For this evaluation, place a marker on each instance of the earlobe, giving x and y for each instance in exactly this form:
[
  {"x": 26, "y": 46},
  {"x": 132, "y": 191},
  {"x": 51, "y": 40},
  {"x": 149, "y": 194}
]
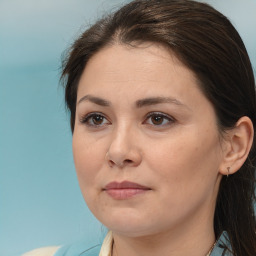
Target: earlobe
[{"x": 238, "y": 144}]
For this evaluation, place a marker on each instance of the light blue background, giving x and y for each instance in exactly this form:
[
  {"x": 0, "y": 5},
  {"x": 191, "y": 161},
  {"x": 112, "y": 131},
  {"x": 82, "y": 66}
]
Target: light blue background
[{"x": 40, "y": 201}]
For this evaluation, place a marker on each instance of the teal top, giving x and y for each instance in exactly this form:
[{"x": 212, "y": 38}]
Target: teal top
[
  {"x": 221, "y": 248},
  {"x": 75, "y": 250}
]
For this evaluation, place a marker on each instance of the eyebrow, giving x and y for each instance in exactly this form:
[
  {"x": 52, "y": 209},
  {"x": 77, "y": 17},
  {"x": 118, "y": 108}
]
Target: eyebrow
[
  {"x": 139, "y": 103},
  {"x": 157, "y": 100},
  {"x": 96, "y": 100}
]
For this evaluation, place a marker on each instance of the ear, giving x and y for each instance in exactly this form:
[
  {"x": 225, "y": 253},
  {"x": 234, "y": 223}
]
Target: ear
[{"x": 237, "y": 145}]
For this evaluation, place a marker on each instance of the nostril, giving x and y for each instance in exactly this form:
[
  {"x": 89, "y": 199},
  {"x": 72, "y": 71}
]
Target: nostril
[
  {"x": 122, "y": 164},
  {"x": 111, "y": 163}
]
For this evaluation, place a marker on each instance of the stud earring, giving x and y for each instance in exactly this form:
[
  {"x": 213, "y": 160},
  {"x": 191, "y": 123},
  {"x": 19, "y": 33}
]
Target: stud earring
[{"x": 228, "y": 168}]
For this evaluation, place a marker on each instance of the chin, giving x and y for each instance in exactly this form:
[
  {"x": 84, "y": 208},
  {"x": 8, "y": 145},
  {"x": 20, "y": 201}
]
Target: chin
[{"x": 126, "y": 224}]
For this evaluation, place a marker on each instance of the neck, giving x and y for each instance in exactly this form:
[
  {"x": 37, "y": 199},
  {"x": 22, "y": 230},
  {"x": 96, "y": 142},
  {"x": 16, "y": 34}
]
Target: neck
[{"x": 193, "y": 242}]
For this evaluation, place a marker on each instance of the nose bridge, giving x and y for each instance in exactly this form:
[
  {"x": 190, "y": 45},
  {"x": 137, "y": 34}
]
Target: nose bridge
[
  {"x": 122, "y": 137},
  {"x": 123, "y": 148}
]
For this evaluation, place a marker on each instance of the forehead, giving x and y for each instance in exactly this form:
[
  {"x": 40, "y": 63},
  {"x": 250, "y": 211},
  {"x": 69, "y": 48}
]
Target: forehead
[{"x": 145, "y": 66}]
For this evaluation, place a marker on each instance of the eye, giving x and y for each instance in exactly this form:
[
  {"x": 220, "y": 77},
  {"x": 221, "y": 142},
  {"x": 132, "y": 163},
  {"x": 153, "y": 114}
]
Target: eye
[
  {"x": 158, "y": 119},
  {"x": 94, "y": 120}
]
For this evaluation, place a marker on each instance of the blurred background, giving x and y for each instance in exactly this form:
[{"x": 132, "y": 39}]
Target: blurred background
[{"x": 40, "y": 201}]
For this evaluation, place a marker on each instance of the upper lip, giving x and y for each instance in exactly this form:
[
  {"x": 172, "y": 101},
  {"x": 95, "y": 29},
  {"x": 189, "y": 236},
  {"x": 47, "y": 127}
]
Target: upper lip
[{"x": 124, "y": 185}]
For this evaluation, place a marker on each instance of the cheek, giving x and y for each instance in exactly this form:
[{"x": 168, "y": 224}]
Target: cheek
[
  {"x": 187, "y": 160},
  {"x": 88, "y": 158},
  {"x": 184, "y": 171},
  {"x": 171, "y": 168}
]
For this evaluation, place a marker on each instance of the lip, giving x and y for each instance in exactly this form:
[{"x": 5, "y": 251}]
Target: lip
[{"x": 124, "y": 190}]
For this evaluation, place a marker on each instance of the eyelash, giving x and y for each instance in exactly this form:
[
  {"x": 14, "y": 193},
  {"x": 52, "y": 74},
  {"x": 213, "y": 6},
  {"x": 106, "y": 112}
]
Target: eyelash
[{"x": 88, "y": 119}]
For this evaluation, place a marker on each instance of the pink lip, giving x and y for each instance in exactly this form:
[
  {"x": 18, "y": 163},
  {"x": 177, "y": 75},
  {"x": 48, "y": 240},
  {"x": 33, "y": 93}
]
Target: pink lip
[{"x": 124, "y": 190}]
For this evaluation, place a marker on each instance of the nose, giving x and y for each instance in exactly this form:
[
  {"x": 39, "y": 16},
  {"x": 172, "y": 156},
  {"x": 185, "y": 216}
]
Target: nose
[{"x": 123, "y": 150}]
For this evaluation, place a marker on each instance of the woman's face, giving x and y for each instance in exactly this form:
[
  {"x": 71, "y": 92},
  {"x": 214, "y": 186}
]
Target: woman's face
[{"x": 146, "y": 145}]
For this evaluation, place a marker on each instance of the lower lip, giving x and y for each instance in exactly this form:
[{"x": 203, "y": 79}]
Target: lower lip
[{"x": 125, "y": 193}]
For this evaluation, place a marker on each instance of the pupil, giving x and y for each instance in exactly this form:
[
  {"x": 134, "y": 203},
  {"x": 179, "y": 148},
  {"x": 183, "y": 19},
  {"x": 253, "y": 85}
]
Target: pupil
[
  {"x": 97, "y": 119},
  {"x": 157, "y": 120}
]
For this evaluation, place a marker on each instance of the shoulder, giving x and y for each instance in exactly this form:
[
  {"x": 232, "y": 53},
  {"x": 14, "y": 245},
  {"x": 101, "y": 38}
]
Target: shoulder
[
  {"x": 78, "y": 250},
  {"x": 45, "y": 251},
  {"x": 84, "y": 249},
  {"x": 64, "y": 251},
  {"x": 81, "y": 248}
]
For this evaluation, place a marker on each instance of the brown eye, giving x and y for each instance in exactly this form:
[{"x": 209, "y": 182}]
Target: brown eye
[
  {"x": 95, "y": 120},
  {"x": 158, "y": 119}
]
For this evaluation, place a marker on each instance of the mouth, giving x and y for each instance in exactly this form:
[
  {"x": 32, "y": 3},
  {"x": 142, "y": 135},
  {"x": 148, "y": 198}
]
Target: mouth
[{"x": 124, "y": 190}]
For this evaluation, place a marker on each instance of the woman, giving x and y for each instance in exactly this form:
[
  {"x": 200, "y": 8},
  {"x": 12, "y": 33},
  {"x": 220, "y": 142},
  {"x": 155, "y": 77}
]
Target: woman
[{"x": 162, "y": 103}]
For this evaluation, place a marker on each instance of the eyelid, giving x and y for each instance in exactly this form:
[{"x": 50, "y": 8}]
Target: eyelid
[{"x": 160, "y": 114}]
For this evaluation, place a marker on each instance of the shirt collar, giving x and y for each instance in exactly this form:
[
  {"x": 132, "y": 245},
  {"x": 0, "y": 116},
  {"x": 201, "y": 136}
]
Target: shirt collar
[
  {"x": 107, "y": 245},
  {"x": 222, "y": 246}
]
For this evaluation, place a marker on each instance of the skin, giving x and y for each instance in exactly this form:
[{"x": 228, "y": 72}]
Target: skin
[{"x": 178, "y": 156}]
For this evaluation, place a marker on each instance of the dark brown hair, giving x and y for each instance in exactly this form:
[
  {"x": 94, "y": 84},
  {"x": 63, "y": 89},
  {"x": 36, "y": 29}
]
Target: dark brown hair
[{"x": 207, "y": 43}]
